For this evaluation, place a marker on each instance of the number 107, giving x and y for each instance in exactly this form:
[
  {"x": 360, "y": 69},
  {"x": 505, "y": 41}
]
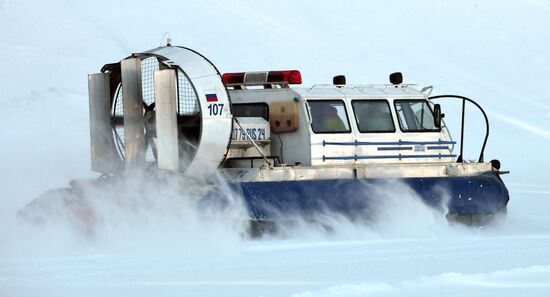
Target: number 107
[{"x": 215, "y": 109}]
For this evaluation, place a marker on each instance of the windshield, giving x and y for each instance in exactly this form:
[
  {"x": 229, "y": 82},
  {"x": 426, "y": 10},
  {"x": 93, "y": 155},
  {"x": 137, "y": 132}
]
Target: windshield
[{"x": 415, "y": 116}]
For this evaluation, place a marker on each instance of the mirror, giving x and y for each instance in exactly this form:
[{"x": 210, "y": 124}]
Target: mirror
[{"x": 437, "y": 116}]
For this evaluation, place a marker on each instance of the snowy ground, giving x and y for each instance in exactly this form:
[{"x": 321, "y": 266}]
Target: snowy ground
[{"x": 494, "y": 51}]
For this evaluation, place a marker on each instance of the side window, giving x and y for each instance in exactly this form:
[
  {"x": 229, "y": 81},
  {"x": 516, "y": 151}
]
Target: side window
[
  {"x": 328, "y": 116},
  {"x": 251, "y": 110},
  {"x": 373, "y": 116},
  {"x": 415, "y": 116}
]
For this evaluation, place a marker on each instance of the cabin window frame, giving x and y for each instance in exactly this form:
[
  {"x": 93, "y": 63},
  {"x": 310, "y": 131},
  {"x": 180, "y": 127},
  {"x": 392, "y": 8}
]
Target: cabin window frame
[
  {"x": 234, "y": 110},
  {"x": 397, "y": 101},
  {"x": 373, "y": 100},
  {"x": 348, "y": 131}
]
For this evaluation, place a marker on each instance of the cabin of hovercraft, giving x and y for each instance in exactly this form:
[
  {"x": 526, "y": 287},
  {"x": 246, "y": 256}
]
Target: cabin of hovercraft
[{"x": 335, "y": 124}]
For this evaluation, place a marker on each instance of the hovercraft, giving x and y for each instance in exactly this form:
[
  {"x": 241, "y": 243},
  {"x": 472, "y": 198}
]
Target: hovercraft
[{"x": 284, "y": 150}]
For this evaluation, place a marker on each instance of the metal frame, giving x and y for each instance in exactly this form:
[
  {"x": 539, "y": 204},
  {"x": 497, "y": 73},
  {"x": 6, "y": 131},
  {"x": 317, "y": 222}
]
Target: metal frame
[{"x": 464, "y": 99}]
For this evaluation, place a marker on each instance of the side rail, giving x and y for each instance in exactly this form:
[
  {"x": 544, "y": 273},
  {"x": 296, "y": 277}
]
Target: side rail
[
  {"x": 392, "y": 146},
  {"x": 464, "y": 100}
]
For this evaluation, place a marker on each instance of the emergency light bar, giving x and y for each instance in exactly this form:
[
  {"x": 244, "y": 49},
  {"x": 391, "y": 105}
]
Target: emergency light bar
[{"x": 290, "y": 77}]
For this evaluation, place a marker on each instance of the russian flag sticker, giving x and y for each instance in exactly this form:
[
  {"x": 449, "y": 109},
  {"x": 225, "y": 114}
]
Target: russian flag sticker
[{"x": 211, "y": 98}]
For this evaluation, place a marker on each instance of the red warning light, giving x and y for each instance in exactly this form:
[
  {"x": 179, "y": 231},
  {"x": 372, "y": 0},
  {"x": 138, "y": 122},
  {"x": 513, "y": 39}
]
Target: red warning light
[{"x": 290, "y": 77}]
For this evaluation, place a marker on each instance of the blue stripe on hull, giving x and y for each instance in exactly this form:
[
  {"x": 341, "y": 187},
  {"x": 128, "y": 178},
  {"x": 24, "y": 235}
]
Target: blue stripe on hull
[{"x": 483, "y": 194}]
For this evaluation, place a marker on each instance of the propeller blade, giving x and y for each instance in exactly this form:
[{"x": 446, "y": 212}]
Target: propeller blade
[
  {"x": 117, "y": 121},
  {"x": 104, "y": 157},
  {"x": 133, "y": 113},
  {"x": 166, "y": 119},
  {"x": 151, "y": 142},
  {"x": 149, "y": 107}
]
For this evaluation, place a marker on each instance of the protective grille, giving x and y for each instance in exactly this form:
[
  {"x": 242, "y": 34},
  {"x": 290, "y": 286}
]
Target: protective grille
[
  {"x": 187, "y": 102},
  {"x": 187, "y": 98},
  {"x": 148, "y": 68}
]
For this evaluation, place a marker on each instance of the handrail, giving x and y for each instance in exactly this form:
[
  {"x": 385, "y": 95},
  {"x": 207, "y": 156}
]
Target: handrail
[
  {"x": 400, "y": 156},
  {"x": 361, "y": 86},
  {"x": 400, "y": 142},
  {"x": 464, "y": 99}
]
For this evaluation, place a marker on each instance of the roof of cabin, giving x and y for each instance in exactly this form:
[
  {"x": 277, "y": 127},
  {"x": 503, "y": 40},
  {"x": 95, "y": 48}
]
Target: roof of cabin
[
  {"x": 326, "y": 92},
  {"x": 359, "y": 91}
]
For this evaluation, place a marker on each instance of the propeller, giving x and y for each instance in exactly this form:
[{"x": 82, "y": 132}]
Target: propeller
[
  {"x": 152, "y": 123},
  {"x": 149, "y": 122}
]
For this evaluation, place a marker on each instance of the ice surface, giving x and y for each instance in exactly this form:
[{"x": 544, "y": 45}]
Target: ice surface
[{"x": 493, "y": 51}]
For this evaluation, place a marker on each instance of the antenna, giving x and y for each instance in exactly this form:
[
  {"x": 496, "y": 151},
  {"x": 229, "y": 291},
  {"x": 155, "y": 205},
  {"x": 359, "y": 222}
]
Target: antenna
[{"x": 166, "y": 39}]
